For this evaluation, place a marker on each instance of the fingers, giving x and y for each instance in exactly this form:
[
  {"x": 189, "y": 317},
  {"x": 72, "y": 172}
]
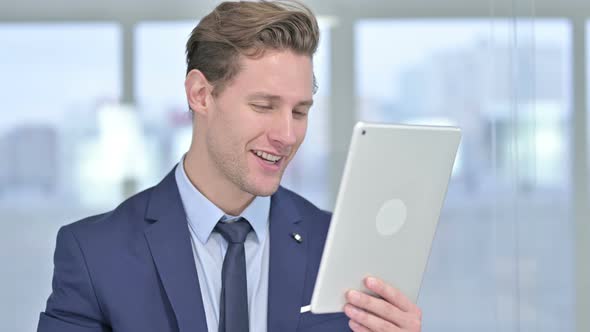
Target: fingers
[
  {"x": 376, "y": 306},
  {"x": 365, "y": 321},
  {"x": 392, "y": 295},
  {"x": 389, "y": 310},
  {"x": 383, "y": 310},
  {"x": 356, "y": 327}
]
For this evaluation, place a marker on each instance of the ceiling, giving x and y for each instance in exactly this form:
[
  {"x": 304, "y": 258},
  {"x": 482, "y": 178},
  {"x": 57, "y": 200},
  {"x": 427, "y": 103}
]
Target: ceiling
[{"x": 133, "y": 10}]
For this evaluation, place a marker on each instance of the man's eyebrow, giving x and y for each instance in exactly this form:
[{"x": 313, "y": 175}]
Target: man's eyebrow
[
  {"x": 305, "y": 103},
  {"x": 262, "y": 95},
  {"x": 275, "y": 98}
]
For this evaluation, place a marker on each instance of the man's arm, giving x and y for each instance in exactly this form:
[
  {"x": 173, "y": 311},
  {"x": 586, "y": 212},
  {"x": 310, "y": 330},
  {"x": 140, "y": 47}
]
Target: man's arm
[{"x": 72, "y": 306}]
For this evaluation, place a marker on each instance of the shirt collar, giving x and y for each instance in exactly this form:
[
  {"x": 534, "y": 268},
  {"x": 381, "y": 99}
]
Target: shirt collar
[{"x": 203, "y": 215}]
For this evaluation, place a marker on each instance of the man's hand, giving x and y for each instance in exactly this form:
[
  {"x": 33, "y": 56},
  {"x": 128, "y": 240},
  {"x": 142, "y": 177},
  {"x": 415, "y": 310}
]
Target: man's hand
[{"x": 392, "y": 312}]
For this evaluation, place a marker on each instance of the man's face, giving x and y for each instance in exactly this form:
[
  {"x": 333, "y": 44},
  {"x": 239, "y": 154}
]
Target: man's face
[{"x": 258, "y": 121}]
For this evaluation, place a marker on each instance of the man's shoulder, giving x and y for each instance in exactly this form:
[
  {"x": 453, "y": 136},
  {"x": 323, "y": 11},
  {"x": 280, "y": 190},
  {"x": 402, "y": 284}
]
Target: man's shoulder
[{"x": 127, "y": 216}]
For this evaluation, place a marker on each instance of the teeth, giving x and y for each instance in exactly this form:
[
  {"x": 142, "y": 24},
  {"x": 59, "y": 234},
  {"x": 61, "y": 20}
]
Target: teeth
[{"x": 267, "y": 156}]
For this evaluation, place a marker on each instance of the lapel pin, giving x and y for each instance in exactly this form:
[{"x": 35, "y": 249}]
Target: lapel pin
[{"x": 297, "y": 237}]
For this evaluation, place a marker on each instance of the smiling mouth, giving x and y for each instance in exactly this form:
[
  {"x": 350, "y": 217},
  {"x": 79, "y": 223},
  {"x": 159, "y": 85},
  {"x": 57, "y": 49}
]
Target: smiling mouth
[{"x": 267, "y": 157}]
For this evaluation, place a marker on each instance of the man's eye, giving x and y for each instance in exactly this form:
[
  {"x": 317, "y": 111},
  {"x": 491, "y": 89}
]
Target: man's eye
[
  {"x": 262, "y": 107},
  {"x": 299, "y": 114}
]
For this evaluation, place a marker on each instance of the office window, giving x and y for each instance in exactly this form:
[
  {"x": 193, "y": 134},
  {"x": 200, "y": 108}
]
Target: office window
[
  {"x": 506, "y": 84},
  {"x": 160, "y": 68},
  {"x": 54, "y": 78}
]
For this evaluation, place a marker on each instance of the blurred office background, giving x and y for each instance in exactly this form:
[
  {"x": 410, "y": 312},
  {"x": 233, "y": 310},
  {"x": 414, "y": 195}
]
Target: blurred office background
[{"x": 92, "y": 110}]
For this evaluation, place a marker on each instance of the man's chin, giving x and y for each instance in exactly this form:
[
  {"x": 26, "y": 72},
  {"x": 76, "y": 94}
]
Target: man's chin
[{"x": 264, "y": 190}]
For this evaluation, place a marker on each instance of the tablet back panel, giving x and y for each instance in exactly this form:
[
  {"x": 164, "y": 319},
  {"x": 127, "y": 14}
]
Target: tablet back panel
[{"x": 388, "y": 205}]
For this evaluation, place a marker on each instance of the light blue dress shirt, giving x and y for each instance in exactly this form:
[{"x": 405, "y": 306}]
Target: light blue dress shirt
[{"x": 209, "y": 249}]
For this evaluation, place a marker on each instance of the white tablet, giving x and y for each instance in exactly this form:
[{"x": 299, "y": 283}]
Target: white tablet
[{"x": 392, "y": 190}]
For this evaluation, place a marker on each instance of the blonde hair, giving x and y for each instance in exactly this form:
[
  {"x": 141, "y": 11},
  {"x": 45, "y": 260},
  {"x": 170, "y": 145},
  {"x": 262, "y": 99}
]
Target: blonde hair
[{"x": 248, "y": 28}]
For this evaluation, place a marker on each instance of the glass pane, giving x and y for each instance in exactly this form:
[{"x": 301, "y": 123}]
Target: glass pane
[
  {"x": 54, "y": 78},
  {"x": 506, "y": 84},
  {"x": 160, "y": 68}
]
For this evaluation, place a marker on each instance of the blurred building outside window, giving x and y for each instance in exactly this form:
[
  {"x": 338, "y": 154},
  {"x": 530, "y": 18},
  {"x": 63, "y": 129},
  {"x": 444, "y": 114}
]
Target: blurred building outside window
[{"x": 506, "y": 84}]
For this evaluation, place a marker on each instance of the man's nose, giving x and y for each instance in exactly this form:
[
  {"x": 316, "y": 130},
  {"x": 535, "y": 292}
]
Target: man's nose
[{"x": 283, "y": 132}]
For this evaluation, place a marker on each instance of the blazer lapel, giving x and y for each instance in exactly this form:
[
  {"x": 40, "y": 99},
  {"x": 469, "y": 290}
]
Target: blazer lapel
[
  {"x": 287, "y": 265},
  {"x": 170, "y": 245}
]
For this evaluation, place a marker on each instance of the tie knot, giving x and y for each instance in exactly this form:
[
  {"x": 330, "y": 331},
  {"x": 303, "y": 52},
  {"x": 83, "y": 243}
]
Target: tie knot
[{"x": 234, "y": 232}]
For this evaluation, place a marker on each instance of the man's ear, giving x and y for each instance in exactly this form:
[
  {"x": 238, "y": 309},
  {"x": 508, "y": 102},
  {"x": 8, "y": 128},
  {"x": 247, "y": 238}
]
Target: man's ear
[{"x": 198, "y": 91}]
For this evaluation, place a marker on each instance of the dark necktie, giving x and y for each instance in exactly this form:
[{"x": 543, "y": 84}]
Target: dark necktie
[{"x": 233, "y": 306}]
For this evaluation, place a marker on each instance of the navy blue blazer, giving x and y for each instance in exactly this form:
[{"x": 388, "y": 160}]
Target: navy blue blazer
[{"x": 132, "y": 269}]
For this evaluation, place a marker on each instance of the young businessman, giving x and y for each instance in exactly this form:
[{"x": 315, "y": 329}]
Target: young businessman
[{"x": 218, "y": 245}]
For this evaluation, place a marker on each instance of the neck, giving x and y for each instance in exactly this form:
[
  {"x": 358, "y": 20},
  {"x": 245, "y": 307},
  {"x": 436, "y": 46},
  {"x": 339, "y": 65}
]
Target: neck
[{"x": 213, "y": 185}]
